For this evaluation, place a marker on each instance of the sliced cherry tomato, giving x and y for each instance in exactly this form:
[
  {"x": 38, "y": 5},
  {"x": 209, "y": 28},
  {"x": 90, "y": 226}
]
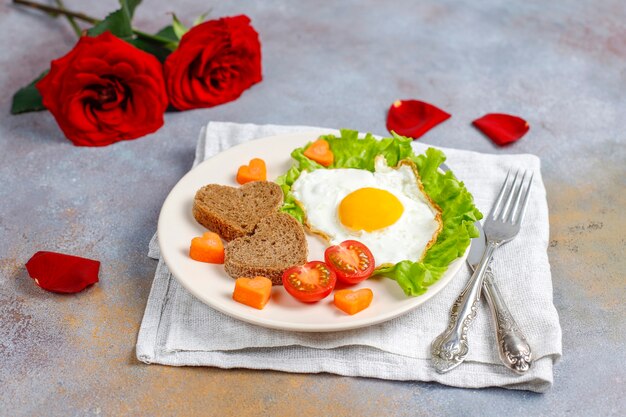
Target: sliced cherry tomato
[
  {"x": 309, "y": 282},
  {"x": 352, "y": 261}
]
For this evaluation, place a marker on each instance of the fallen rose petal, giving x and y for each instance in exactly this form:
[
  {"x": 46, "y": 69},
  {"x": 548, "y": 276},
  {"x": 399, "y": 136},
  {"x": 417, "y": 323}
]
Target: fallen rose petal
[
  {"x": 413, "y": 118},
  {"x": 62, "y": 273},
  {"x": 502, "y": 129}
]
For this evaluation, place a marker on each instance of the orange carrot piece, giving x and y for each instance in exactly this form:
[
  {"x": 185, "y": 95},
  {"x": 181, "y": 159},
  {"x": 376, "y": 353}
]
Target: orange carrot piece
[
  {"x": 254, "y": 292},
  {"x": 208, "y": 248},
  {"x": 254, "y": 171},
  {"x": 320, "y": 152},
  {"x": 351, "y": 301}
]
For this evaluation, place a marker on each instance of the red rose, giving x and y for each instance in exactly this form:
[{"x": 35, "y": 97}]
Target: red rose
[
  {"x": 214, "y": 63},
  {"x": 105, "y": 90}
]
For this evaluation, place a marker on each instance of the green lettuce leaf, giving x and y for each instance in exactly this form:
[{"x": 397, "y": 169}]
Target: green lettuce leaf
[{"x": 458, "y": 210}]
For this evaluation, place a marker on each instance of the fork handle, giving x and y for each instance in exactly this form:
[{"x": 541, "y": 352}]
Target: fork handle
[
  {"x": 513, "y": 348},
  {"x": 450, "y": 348}
]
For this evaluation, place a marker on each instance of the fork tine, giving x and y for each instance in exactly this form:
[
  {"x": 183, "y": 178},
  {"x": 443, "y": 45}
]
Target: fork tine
[
  {"x": 520, "y": 217},
  {"x": 509, "y": 197},
  {"x": 496, "y": 205},
  {"x": 518, "y": 196}
]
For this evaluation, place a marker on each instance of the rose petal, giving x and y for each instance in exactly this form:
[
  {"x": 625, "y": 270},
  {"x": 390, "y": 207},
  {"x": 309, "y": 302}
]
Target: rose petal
[
  {"x": 62, "y": 273},
  {"x": 502, "y": 129},
  {"x": 413, "y": 118}
]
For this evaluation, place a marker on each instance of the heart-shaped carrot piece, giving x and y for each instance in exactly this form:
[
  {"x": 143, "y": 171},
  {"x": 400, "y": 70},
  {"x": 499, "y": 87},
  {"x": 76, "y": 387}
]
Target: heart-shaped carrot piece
[
  {"x": 353, "y": 301},
  {"x": 208, "y": 248},
  {"x": 254, "y": 292},
  {"x": 319, "y": 151},
  {"x": 254, "y": 171}
]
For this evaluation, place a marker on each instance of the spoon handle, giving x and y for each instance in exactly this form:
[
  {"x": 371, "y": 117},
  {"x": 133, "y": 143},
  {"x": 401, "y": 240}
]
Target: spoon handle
[
  {"x": 513, "y": 348},
  {"x": 450, "y": 348}
]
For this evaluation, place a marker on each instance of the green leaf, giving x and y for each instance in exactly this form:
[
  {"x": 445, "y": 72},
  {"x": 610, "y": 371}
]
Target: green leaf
[
  {"x": 119, "y": 22},
  {"x": 27, "y": 98},
  {"x": 159, "y": 49},
  {"x": 458, "y": 210},
  {"x": 153, "y": 48},
  {"x": 201, "y": 18},
  {"x": 179, "y": 28},
  {"x": 130, "y": 6},
  {"x": 167, "y": 32}
]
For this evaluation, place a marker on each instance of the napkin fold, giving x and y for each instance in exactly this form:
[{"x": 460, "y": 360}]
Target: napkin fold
[{"x": 178, "y": 329}]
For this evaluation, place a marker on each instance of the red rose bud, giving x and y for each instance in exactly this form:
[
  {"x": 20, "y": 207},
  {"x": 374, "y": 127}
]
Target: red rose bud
[
  {"x": 214, "y": 63},
  {"x": 413, "y": 118},
  {"x": 105, "y": 90},
  {"x": 62, "y": 273},
  {"x": 502, "y": 129}
]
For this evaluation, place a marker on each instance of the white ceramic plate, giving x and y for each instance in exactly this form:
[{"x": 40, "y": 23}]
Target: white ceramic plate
[{"x": 213, "y": 286}]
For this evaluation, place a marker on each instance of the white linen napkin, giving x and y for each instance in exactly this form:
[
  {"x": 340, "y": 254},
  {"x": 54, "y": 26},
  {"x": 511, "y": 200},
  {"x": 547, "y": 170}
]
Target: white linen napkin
[{"x": 178, "y": 329}]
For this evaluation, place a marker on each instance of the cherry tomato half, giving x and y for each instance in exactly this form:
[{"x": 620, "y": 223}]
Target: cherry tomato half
[
  {"x": 352, "y": 261},
  {"x": 309, "y": 282}
]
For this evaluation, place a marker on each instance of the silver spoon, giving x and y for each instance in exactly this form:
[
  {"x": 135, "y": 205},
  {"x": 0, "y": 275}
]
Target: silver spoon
[{"x": 513, "y": 348}]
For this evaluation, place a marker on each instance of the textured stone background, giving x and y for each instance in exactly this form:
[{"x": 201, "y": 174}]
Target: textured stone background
[{"x": 561, "y": 65}]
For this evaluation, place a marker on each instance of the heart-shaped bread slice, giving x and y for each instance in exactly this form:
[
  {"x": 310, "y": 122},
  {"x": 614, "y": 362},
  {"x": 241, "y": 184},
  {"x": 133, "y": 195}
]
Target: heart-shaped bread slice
[
  {"x": 278, "y": 243},
  {"x": 234, "y": 212}
]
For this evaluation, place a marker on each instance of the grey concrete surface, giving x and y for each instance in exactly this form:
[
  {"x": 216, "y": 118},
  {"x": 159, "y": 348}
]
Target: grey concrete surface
[{"x": 561, "y": 65}]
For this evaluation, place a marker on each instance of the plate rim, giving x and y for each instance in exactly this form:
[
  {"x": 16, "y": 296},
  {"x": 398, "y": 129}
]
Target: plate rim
[{"x": 453, "y": 267}]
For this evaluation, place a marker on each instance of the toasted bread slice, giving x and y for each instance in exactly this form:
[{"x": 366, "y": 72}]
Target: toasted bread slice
[
  {"x": 234, "y": 212},
  {"x": 277, "y": 244}
]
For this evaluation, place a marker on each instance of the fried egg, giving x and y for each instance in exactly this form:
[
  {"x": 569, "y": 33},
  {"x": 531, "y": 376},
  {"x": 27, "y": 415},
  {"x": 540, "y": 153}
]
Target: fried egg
[{"x": 387, "y": 210}]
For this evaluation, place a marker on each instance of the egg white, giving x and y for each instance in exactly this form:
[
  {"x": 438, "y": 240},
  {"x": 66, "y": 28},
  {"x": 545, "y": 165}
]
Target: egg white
[{"x": 319, "y": 193}]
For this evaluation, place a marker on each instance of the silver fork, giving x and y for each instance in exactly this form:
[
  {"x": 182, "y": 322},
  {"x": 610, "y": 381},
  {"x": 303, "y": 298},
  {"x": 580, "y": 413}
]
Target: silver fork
[{"x": 450, "y": 348}]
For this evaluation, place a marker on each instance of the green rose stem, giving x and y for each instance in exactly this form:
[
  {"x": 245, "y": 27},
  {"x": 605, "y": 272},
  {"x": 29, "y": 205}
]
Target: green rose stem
[
  {"x": 57, "y": 10},
  {"x": 70, "y": 19},
  {"x": 85, "y": 18}
]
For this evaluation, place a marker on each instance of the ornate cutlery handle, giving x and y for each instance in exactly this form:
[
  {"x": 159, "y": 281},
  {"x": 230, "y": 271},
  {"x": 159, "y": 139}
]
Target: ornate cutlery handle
[
  {"x": 513, "y": 348},
  {"x": 450, "y": 348}
]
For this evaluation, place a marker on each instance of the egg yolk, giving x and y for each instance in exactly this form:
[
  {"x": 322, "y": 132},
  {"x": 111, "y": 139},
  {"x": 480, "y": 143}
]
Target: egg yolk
[{"x": 369, "y": 209}]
